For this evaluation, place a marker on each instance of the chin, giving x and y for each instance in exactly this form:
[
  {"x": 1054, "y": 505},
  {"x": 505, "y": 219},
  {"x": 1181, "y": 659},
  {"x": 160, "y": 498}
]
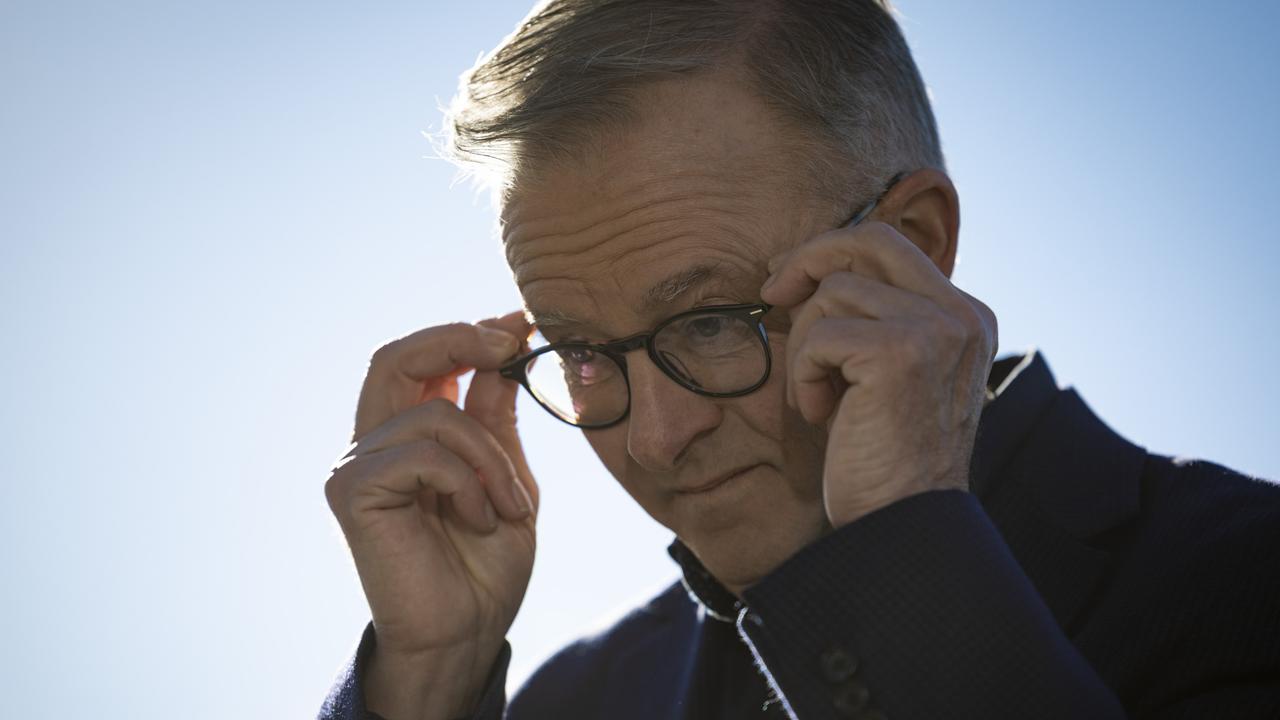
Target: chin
[{"x": 742, "y": 555}]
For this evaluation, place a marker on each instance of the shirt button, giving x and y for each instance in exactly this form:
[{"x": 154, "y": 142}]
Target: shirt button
[
  {"x": 852, "y": 698},
  {"x": 837, "y": 665}
]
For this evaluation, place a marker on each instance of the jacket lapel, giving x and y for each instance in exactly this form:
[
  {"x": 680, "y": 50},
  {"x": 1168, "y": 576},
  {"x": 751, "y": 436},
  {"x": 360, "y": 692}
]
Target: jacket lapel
[{"x": 1072, "y": 480}]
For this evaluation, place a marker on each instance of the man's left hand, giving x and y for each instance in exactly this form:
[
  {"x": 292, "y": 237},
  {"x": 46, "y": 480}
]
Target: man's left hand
[{"x": 891, "y": 356}]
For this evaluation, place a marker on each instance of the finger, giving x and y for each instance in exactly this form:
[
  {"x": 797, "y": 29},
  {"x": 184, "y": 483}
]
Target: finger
[
  {"x": 441, "y": 421},
  {"x": 873, "y": 249},
  {"x": 396, "y": 477},
  {"x": 835, "y": 355},
  {"x": 401, "y": 372},
  {"x": 855, "y": 294},
  {"x": 990, "y": 324},
  {"x": 425, "y": 354},
  {"x": 491, "y": 400},
  {"x": 848, "y": 294},
  {"x": 513, "y": 322}
]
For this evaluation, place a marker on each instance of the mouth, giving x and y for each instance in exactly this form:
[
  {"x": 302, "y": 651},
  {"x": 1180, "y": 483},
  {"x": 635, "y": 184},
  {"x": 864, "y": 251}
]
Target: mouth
[{"x": 721, "y": 480}]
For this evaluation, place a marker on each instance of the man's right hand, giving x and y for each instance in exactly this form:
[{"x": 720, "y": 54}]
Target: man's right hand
[{"x": 438, "y": 507}]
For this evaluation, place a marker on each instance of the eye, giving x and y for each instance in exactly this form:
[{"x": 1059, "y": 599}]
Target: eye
[
  {"x": 583, "y": 365},
  {"x": 707, "y": 326},
  {"x": 574, "y": 357}
]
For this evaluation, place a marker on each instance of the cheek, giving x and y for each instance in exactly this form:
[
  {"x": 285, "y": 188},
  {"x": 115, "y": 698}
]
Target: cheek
[
  {"x": 803, "y": 446},
  {"x": 610, "y": 445},
  {"x": 766, "y": 409}
]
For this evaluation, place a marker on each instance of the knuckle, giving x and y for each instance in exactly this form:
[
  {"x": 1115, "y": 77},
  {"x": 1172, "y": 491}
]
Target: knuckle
[
  {"x": 877, "y": 231},
  {"x": 438, "y": 409},
  {"x": 878, "y": 235},
  {"x": 911, "y": 346},
  {"x": 458, "y": 327},
  {"x": 428, "y": 452},
  {"x": 384, "y": 355},
  {"x": 970, "y": 318},
  {"x": 825, "y": 331},
  {"x": 495, "y": 414},
  {"x": 951, "y": 329},
  {"x": 826, "y": 305},
  {"x": 986, "y": 319},
  {"x": 838, "y": 283},
  {"x": 335, "y": 492}
]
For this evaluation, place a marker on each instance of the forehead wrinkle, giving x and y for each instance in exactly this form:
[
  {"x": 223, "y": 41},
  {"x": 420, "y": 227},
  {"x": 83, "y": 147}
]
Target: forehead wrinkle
[
  {"x": 582, "y": 230},
  {"x": 656, "y": 298},
  {"x": 599, "y": 265},
  {"x": 551, "y": 317}
]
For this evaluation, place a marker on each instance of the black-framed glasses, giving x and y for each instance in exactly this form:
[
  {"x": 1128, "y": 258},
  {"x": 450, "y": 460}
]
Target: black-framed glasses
[{"x": 716, "y": 351}]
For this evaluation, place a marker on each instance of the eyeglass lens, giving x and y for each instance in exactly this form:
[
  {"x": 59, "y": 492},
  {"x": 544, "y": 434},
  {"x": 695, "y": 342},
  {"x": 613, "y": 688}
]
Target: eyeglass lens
[{"x": 712, "y": 353}]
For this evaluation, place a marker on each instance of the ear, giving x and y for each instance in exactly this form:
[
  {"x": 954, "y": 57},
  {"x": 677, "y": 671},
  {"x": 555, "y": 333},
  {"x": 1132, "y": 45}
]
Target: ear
[{"x": 924, "y": 207}]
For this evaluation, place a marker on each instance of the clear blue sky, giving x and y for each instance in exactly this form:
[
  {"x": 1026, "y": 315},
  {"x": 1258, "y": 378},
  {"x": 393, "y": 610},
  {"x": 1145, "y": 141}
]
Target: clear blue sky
[{"x": 211, "y": 212}]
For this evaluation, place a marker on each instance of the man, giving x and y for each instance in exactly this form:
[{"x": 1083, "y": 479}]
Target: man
[{"x": 731, "y": 225}]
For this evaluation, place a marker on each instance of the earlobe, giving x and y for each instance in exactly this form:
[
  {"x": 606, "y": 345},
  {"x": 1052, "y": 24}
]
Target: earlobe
[{"x": 925, "y": 208}]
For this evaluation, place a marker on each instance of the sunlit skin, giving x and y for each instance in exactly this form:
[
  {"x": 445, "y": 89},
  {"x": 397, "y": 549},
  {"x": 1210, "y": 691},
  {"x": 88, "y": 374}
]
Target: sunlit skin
[
  {"x": 879, "y": 370},
  {"x": 702, "y": 175}
]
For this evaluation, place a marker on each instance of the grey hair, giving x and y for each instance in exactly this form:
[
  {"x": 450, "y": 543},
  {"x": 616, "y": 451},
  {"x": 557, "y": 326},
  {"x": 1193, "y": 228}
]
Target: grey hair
[{"x": 839, "y": 71}]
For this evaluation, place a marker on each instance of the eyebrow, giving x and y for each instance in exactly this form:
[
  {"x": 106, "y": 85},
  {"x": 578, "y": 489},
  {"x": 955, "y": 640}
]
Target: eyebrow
[
  {"x": 668, "y": 290},
  {"x": 662, "y": 293}
]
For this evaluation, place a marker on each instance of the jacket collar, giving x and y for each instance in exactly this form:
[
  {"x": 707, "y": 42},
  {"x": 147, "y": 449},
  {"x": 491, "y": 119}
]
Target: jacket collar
[
  {"x": 1022, "y": 388},
  {"x": 1039, "y": 455}
]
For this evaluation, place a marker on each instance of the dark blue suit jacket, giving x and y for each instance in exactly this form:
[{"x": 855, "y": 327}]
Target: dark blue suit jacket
[{"x": 1081, "y": 578}]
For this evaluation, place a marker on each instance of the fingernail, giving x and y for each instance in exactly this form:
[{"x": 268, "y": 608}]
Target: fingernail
[
  {"x": 491, "y": 515},
  {"x": 517, "y": 493},
  {"x": 768, "y": 282}
]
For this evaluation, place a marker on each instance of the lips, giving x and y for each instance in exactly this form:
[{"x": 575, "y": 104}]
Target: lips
[{"x": 720, "y": 480}]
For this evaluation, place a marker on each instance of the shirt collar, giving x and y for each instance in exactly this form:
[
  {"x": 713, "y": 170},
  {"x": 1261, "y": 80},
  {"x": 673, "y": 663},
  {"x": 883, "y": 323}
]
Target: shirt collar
[{"x": 1020, "y": 388}]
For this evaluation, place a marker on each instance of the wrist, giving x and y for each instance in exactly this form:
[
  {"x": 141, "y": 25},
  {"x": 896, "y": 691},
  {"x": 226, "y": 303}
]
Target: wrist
[
  {"x": 425, "y": 686},
  {"x": 851, "y": 509}
]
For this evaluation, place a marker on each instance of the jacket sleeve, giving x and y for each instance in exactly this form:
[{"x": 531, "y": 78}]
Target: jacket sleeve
[
  {"x": 918, "y": 610},
  {"x": 346, "y": 698}
]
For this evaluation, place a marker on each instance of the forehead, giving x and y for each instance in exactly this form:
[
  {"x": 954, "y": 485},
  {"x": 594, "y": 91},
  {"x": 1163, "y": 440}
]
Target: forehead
[
  {"x": 694, "y": 194},
  {"x": 680, "y": 287}
]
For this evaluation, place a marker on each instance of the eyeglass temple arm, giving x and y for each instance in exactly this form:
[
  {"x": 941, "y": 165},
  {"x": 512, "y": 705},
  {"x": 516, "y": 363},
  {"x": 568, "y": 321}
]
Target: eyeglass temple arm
[{"x": 871, "y": 206}]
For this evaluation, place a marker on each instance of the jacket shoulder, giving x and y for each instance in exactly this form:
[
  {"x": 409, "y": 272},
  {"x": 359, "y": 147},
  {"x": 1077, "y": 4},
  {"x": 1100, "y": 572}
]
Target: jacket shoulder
[
  {"x": 1208, "y": 510},
  {"x": 1193, "y": 597},
  {"x": 1208, "y": 535}
]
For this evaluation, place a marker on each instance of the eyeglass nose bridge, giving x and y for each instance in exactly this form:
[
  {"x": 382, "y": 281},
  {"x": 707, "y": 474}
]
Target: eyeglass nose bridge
[{"x": 618, "y": 349}]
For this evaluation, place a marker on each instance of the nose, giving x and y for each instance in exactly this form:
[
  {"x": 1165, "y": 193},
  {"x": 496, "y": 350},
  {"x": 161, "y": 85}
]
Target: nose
[{"x": 665, "y": 419}]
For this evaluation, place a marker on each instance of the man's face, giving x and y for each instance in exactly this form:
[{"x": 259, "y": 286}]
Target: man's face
[{"x": 703, "y": 179}]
